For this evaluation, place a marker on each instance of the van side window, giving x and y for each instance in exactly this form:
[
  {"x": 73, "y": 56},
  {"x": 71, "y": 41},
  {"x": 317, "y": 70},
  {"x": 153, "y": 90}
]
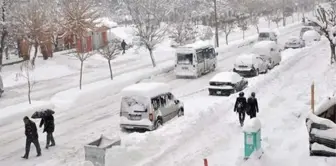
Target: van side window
[
  {"x": 170, "y": 96},
  {"x": 155, "y": 103},
  {"x": 207, "y": 53},
  {"x": 163, "y": 101},
  {"x": 213, "y": 52},
  {"x": 200, "y": 57}
]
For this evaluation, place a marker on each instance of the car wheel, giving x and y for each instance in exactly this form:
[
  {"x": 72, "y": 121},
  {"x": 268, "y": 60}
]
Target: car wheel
[
  {"x": 180, "y": 112},
  {"x": 157, "y": 123}
]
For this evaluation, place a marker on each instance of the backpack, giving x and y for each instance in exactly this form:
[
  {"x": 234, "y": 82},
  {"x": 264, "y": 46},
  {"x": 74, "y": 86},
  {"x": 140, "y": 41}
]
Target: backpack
[{"x": 240, "y": 106}]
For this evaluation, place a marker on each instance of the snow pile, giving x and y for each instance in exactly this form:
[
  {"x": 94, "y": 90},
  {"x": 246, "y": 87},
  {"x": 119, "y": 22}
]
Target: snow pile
[
  {"x": 24, "y": 109},
  {"x": 149, "y": 90},
  {"x": 230, "y": 77},
  {"x": 105, "y": 21}
]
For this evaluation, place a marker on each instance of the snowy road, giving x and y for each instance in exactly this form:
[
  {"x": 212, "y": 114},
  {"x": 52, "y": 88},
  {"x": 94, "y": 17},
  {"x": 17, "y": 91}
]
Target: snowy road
[{"x": 76, "y": 126}]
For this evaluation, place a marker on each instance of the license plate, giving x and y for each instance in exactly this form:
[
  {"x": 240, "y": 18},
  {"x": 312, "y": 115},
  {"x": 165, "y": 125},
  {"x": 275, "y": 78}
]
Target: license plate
[
  {"x": 135, "y": 117},
  {"x": 184, "y": 68},
  {"x": 218, "y": 92}
]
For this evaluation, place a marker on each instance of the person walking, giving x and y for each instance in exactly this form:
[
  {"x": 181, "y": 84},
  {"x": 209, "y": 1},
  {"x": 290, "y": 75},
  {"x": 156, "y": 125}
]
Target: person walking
[
  {"x": 31, "y": 137},
  {"x": 123, "y": 46},
  {"x": 240, "y": 108},
  {"x": 49, "y": 127},
  {"x": 252, "y": 105}
]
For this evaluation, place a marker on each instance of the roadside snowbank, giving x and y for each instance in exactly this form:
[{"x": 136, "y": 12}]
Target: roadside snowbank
[{"x": 23, "y": 109}]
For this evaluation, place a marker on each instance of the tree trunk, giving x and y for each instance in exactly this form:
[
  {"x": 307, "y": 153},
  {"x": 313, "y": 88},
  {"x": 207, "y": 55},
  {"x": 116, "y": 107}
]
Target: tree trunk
[
  {"x": 35, "y": 54},
  {"x": 152, "y": 57},
  {"x": 257, "y": 28},
  {"x": 243, "y": 34},
  {"x": 332, "y": 50},
  {"x": 6, "y": 53},
  {"x": 269, "y": 21},
  {"x": 110, "y": 67},
  {"x": 81, "y": 74},
  {"x": 29, "y": 87},
  {"x": 227, "y": 38}
]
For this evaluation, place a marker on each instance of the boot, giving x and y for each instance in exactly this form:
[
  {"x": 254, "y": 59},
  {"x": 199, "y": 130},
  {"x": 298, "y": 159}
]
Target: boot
[
  {"x": 38, "y": 154},
  {"x": 25, "y": 157}
]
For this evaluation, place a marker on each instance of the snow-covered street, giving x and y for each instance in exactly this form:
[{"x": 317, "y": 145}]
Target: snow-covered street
[{"x": 88, "y": 117}]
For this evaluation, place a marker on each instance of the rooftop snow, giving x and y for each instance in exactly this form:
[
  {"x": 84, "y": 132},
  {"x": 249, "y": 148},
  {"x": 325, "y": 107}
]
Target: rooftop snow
[
  {"x": 149, "y": 90},
  {"x": 226, "y": 77},
  {"x": 104, "y": 21}
]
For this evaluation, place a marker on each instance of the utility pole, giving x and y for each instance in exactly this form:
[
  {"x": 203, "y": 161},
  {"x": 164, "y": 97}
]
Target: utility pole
[
  {"x": 283, "y": 13},
  {"x": 216, "y": 25}
]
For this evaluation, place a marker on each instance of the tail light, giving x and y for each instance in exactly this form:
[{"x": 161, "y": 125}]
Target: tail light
[{"x": 151, "y": 117}]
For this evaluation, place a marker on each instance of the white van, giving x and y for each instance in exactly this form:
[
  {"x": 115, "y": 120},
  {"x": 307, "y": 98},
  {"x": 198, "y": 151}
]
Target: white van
[
  {"x": 269, "y": 50},
  {"x": 267, "y": 35},
  {"x": 195, "y": 61},
  {"x": 148, "y": 105}
]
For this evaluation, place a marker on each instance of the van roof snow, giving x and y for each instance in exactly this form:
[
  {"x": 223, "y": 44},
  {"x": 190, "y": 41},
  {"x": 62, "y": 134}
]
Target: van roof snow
[{"x": 149, "y": 90}]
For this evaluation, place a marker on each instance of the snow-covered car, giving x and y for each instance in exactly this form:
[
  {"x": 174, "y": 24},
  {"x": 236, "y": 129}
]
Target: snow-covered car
[
  {"x": 148, "y": 105},
  {"x": 311, "y": 37},
  {"x": 1, "y": 86},
  {"x": 226, "y": 83},
  {"x": 268, "y": 35},
  {"x": 250, "y": 65},
  {"x": 294, "y": 42},
  {"x": 305, "y": 29},
  {"x": 268, "y": 50}
]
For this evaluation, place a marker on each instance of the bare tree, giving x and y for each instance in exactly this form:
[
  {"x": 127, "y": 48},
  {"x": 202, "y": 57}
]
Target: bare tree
[
  {"x": 148, "y": 17},
  {"x": 33, "y": 23},
  {"x": 27, "y": 69},
  {"x": 6, "y": 25},
  {"x": 80, "y": 16},
  {"x": 253, "y": 8},
  {"x": 109, "y": 52},
  {"x": 242, "y": 24},
  {"x": 183, "y": 33},
  {"x": 277, "y": 17},
  {"x": 326, "y": 19},
  {"x": 227, "y": 26}
]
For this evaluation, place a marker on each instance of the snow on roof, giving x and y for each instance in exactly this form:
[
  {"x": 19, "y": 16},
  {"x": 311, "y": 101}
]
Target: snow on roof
[
  {"x": 263, "y": 44},
  {"x": 252, "y": 125},
  {"x": 325, "y": 105},
  {"x": 311, "y": 33},
  {"x": 265, "y": 30},
  {"x": 104, "y": 21},
  {"x": 149, "y": 90},
  {"x": 197, "y": 45},
  {"x": 226, "y": 77}
]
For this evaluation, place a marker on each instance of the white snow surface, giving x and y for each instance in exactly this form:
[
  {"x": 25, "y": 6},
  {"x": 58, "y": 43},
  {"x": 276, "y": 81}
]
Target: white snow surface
[
  {"x": 97, "y": 110},
  {"x": 316, "y": 146},
  {"x": 246, "y": 59},
  {"x": 148, "y": 90},
  {"x": 214, "y": 132},
  {"x": 311, "y": 35},
  {"x": 325, "y": 104},
  {"x": 226, "y": 77},
  {"x": 252, "y": 125}
]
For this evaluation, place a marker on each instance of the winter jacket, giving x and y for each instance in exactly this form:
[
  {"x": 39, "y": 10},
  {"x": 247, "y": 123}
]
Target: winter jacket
[
  {"x": 123, "y": 45},
  {"x": 252, "y": 105},
  {"x": 49, "y": 125},
  {"x": 31, "y": 130},
  {"x": 240, "y": 105}
]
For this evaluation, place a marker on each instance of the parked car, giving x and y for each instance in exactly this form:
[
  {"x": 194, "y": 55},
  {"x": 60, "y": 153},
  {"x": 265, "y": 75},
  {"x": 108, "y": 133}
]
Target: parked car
[
  {"x": 1, "y": 86},
  {"x": 148, "y": 105},
  {"x": 305, "y": 29},
  {"x": 311, "y": 37},
  {"x": 226, "y": 83},
  {"x": 250, "y": 65},
  {"x": 268, "y": 50},
  {"x": 294, "y": 42},
  {"x": 267, "y": 35}
]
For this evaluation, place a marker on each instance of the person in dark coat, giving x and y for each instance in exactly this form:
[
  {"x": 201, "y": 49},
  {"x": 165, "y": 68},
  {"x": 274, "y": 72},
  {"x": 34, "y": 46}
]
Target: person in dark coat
[
  {"x": 240, "y": 107},
  {"x": 252, "y": 105},
  {"x": 123, "y": 46},
  {"x": 31, "y": 137},
  {"x": 49, "y": 127}
]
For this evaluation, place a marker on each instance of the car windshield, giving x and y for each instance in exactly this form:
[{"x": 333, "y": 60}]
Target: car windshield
[
  {"x": 213, "y": 83},
  {"x": 184, "y": 58},
  {"x": 263, "y": 35}
]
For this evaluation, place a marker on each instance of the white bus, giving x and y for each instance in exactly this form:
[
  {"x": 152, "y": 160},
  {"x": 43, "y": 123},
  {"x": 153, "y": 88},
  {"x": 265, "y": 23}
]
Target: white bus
[{"x": 195, "y": 61}]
